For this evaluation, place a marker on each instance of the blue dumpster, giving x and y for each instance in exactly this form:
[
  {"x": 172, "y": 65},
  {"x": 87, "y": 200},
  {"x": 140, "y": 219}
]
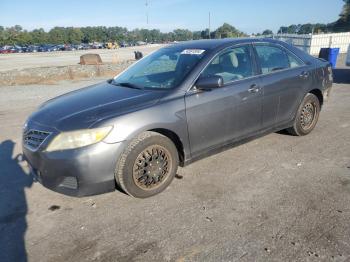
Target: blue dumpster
[{"x": 329, "y": 54}]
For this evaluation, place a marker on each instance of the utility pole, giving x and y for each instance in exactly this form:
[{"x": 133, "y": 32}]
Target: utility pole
[
  {"x": 209, "y": 25},
  {"x": 146, "y": 12}
]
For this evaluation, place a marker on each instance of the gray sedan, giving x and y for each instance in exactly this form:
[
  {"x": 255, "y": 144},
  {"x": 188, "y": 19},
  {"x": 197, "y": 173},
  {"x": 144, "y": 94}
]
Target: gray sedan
[{"x": 176, "y": 105}]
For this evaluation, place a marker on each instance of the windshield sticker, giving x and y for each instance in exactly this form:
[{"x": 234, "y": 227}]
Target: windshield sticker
[{"x": 192, "y": 52}]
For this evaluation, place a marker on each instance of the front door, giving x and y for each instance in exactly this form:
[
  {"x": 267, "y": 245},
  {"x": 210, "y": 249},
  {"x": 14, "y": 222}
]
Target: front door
[{"x": 223, "y": 114}]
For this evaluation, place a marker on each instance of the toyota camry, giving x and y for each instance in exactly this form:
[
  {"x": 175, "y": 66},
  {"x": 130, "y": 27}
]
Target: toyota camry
[{"x": 180, "y": 103}]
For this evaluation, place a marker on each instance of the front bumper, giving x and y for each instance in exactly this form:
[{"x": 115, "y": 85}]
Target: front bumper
[{"x": 77, "y": 172}]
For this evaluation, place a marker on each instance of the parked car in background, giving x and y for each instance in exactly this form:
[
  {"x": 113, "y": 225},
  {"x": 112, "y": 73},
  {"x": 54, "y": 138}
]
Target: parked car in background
[
  {"x": 86, "y": 46},
  {"x": 41, "y": 48},
  {"x": 24, "y": 48},
  {"x": 69, "y": 47},
  {"x": 18, "y": 49},
  {"x": 97, "y": 46},
  {"x": 33, "y": 48},
  {"x": 4, "y": 51},
  {"x": 174, "y": 106},
  {"x": 82, "y": 46},
  {"x": 46, "y": 48},
  {"x": 73, "y": 47},
  {"x": 124, "y": 44},
  {"x": 60, "y": 47},
  {"x": 7, "y": 49},
  {"x": 51, "y": 48},
  {"x": 139, "y": 43},
  {"x": 348, "y": 57}
]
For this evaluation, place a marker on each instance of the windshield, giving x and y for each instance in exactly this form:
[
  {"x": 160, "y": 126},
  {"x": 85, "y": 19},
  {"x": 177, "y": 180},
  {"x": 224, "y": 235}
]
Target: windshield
[{"x": 163, "y": 69}]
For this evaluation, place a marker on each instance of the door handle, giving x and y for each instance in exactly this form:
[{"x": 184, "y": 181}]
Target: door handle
[
  {"x": 254, "y": 88},
  {"x": 304, "y": 74}
]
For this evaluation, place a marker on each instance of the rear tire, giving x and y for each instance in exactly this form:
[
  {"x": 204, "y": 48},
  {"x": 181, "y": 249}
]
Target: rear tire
[
  {"x": 147, "y": 166},
  {"x": 306, "y": 117}
]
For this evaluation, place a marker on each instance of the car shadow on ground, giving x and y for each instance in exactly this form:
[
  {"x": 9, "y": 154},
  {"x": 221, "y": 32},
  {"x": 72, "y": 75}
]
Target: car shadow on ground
[
  {"x": 341, "y": 75},
  {"x": 13, "y": 204}
]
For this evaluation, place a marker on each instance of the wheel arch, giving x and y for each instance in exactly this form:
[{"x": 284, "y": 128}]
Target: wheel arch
[
  {"x": 318, "y": 94},
  {"x": 175, "y": 139}
]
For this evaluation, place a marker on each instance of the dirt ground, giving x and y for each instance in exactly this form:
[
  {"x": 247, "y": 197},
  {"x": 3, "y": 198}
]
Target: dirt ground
[
  {"x": 48, "y": 59},
  {"x": 277, "y": 198}
]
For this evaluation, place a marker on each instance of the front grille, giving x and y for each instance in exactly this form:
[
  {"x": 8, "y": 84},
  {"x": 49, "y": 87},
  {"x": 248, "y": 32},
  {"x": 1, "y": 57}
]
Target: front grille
[{"x": 32, "y": 139}]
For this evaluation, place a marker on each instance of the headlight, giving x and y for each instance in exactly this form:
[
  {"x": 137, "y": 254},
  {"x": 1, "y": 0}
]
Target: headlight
[{"x": 80, "y": 138}]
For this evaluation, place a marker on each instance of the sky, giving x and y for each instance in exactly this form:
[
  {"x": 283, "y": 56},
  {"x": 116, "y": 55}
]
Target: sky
[{"x": 249, "y": 16}]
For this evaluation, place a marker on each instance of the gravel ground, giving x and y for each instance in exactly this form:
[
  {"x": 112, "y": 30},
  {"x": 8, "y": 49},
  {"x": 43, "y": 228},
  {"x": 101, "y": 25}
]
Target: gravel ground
[
  {"x": 47, "y": 59},
  {"x": 277, "y": 198}
]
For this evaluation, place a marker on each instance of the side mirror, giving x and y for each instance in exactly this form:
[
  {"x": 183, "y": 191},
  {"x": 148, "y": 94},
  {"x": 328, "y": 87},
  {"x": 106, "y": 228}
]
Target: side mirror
[{"x": 208, "y": 83}]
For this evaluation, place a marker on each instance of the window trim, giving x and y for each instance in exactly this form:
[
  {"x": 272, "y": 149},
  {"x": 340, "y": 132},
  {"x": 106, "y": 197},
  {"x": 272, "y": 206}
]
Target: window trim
[
  {"x": 255, "y": 67},
  {"x": 284, "y": 49}
]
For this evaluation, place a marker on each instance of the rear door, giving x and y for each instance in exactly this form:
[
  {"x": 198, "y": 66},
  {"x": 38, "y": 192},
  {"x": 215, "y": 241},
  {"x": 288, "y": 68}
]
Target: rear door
[
  {"x": 222, "y": 114},
  {"x": 284, "y": 79}
]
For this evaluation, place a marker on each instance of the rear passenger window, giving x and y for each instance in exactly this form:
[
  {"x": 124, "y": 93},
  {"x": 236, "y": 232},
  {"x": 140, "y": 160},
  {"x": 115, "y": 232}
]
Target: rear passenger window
[
  {"x": 294, "y": 61},
  {"x": 271, "y": 58},
  {"x": 233, "y": 64}
]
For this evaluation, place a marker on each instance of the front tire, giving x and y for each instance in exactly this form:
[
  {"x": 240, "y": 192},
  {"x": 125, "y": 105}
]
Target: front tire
[
  {"x": 147, "y": 166},
  {"x": 306, "y": 117}
]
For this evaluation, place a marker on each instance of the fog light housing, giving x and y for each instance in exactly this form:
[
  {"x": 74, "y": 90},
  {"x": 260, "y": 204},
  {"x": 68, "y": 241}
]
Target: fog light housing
[{"x": 69, "y": 182}]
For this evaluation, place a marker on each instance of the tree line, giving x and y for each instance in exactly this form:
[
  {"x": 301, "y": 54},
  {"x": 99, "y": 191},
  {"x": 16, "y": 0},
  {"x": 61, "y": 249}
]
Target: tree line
[
  {"x": 341, "y": 25},
  {"x": 74, "y": 35}
]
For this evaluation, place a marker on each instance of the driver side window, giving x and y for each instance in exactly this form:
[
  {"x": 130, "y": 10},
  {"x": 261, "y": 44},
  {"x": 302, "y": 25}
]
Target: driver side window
[{"x": 233, "y": 64}]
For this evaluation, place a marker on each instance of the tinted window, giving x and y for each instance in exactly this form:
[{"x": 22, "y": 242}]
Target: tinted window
[
  {"x": 271, "y": 58},
  {"x": 232, "y": 64}
]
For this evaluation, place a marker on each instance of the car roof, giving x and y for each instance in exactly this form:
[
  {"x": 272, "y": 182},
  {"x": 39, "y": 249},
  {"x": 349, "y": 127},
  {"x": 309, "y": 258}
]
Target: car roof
[{"x": 209, "y": 44}]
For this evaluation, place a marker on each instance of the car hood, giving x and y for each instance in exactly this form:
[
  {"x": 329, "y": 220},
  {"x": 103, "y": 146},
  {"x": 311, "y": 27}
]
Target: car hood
[{"x": 82, "y": 108}]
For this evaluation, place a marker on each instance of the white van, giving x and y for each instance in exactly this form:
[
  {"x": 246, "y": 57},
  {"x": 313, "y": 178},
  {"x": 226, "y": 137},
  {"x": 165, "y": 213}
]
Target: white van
[{"x": 348, "y": 57}]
